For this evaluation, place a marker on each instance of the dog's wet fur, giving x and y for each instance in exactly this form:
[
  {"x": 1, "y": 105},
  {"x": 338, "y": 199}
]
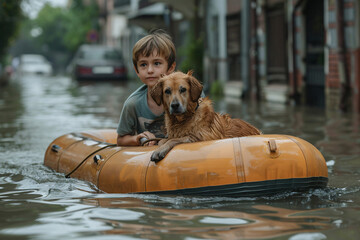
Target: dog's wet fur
[{"x": 189, "y": 118}]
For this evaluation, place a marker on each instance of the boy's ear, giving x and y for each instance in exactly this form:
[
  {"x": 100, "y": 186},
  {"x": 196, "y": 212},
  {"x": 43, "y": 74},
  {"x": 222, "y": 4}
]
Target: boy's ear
[
  {"x": 171, "y": 68},
  {"x": 156, "y": 92},
  {"x": 195, "y": 88}
]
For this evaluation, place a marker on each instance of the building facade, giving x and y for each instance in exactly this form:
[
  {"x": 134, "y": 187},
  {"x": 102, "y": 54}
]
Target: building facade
[
  {"x": 310, "y": 49},
  {"x": 301, "y": 51}
]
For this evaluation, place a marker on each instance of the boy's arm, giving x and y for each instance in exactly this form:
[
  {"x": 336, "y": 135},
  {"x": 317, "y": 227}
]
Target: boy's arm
[
  {"x": 128, "y": 140},
  {"x": 127, "y": 125}
]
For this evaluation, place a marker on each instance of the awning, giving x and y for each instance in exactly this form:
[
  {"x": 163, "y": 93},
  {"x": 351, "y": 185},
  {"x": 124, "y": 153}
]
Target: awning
[
  {"x": 186, "y": 7},
  {"x": 151, "y": 17}
]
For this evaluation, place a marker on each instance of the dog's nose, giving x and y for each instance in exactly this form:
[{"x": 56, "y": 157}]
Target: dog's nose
[{"x": 175, "y": 105}]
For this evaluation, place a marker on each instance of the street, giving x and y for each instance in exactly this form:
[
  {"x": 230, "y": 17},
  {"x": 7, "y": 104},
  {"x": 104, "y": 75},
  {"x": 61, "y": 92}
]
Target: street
[{"x": 35, "y": 110}]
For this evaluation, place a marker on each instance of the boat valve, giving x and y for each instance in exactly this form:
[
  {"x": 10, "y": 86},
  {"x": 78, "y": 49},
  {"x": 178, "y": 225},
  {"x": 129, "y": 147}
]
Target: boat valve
[
  {"x": 55, "y": 148},
  {"x": 273, "y": 148},
  {"x": 272, "y": 145},
  {"x": 97, "y": 158}
]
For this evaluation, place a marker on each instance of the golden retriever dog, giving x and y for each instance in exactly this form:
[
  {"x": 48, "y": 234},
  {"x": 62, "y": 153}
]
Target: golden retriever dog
[{"x": 189, "y": 118}]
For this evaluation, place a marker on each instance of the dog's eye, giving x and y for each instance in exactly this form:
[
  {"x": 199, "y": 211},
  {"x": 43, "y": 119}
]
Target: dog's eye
[
  {"x": 182, "y": 90},
  {"x": 167, "y": 91}
]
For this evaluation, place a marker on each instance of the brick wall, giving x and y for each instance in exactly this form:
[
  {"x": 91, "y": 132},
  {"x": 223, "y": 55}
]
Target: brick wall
[
  {"x": 333, "y": 77},
  {"x": 337, "y": 74}
]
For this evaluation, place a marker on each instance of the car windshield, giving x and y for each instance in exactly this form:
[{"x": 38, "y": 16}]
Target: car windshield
[
  {"x": 98, "y": 53},
  {"x": 33, "y": 59}
]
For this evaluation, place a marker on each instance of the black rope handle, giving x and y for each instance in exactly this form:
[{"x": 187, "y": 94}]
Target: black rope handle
[
  {"x": 98, "y": 150},
  {"x": 143, "y": 141}
]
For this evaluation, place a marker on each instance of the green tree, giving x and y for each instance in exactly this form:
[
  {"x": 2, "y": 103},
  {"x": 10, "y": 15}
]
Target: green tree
[
  {"x": 10, "y": 18},
  {"x": 64, "y": 30},
  {"x": 25, "y": 43},
  {"x": 81, "y": 19},
  {"x": 52, "y": 24}
]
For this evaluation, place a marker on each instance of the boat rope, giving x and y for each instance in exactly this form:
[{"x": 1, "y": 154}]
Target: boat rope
[
  {"x": 107, "y": 145},
  {"x": 98, "y": 150}
]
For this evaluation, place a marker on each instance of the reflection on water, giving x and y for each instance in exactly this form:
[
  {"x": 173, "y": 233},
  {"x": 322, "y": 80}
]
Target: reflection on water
[
  {"x": 226, "y": 221},
  {"x": 37, "y": 203}
]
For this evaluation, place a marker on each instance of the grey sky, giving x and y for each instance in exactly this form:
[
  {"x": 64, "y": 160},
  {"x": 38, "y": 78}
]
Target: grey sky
[{"x": 32, "y": 7}]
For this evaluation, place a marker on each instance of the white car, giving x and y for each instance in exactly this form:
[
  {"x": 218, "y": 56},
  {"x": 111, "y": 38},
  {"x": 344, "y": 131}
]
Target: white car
[{"x": 35, "y": 64}]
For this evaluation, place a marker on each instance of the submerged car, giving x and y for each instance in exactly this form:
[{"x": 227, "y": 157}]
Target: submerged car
[
  {"x": 34, "y": 64},
  {"x": 97, "y": 62}
]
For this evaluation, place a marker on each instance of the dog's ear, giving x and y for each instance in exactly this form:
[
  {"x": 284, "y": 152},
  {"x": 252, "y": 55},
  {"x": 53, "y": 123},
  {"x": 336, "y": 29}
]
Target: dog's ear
[
  {"x": 190, "y": 72},
  {"x": 156, "y": 92},
  {"x": 195, "y": 88}
]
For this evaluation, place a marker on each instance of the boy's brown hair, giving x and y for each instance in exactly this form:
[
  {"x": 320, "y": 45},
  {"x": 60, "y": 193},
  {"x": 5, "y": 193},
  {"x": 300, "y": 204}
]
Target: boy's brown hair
[{"x": 158, "y": 41}]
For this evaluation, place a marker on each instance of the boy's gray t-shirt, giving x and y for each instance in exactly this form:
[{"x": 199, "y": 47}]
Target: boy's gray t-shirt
[{"x": 136, "y": 116}]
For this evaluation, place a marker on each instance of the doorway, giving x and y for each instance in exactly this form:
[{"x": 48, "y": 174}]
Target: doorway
[{"x": 314, "y": 59}]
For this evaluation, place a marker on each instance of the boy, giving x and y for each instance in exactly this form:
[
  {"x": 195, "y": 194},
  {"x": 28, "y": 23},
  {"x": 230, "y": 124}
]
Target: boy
[{"x": 153, "y": 56}]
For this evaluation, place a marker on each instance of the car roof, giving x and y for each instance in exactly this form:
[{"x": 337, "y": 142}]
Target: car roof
[{"x": 32, "y": 57}]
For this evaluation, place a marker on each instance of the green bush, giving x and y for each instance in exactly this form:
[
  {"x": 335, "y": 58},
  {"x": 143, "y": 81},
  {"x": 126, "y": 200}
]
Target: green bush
[
  {"x": 193, "y": 52},
  {"x": 217, "y": 89},
  {"x": 10, "y": 18}
]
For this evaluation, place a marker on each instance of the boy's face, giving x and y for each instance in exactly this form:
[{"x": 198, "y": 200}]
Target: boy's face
[{"x": 151, "y": 68}]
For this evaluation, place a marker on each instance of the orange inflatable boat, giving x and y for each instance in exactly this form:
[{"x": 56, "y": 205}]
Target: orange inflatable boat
[{"x": 246, "y": 166}]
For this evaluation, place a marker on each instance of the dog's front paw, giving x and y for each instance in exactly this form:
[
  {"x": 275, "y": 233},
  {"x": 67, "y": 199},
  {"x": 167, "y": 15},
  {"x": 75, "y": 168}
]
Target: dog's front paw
[
  {"x": 155, "y": 156},
  {"x": 158, "y": 155}
]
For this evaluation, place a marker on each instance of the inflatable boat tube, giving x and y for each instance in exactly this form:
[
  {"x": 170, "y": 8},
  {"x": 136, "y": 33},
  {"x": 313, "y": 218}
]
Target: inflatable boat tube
[{"x": 245, "y": 166}]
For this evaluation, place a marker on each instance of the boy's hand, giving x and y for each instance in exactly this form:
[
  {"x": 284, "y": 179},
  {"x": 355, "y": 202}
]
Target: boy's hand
[{"x": 147, "y": 135}]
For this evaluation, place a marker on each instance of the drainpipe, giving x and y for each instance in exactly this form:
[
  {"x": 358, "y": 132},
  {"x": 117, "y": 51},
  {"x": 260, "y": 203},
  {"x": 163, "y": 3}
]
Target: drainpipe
[
  {"x": 168, "y": 20},
  {"x": 197, "y": 24},
  {"x": 245, "y": 45},
  {"x": 296, "y": 94},
  {"x": 344, "y": 73},
  {"x": 254, "y": 10},
  {"x": 222, "y": 44}
]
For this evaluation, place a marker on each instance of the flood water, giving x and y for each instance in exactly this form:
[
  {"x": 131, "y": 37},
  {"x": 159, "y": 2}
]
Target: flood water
[{"x": 38, "y": 203}]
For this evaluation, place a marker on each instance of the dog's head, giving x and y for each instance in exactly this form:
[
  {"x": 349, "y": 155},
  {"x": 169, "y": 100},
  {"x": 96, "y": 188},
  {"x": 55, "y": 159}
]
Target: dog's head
[{"x": 178, "y": 92}]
